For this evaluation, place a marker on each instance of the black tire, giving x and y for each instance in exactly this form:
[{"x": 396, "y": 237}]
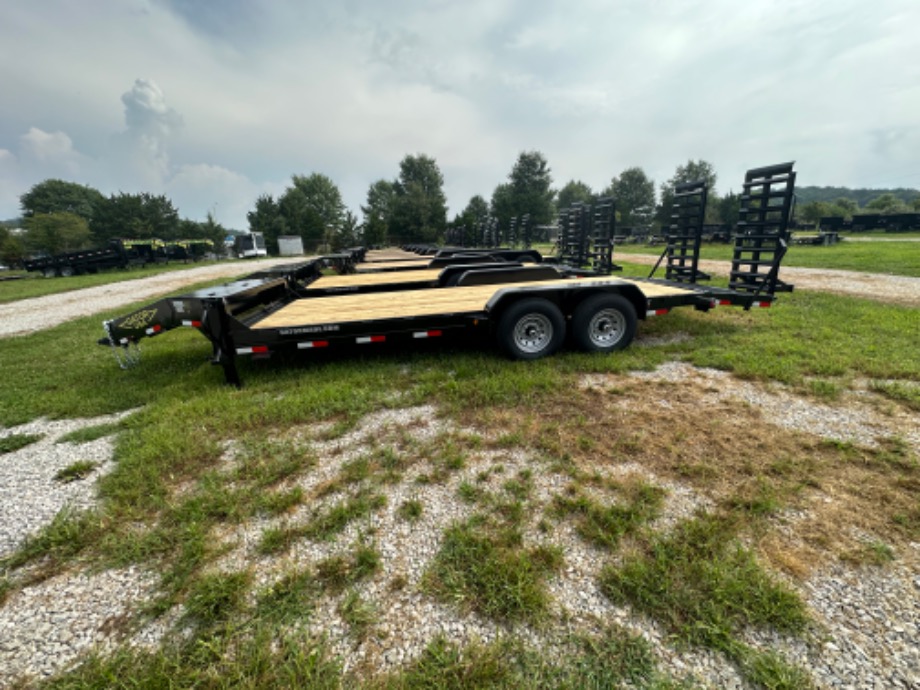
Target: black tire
[
  {"x": 604, "y": 323},
  {"x": 49, "y": 272},
  {"x": 67, "y": 271},
  {"x": 531, "y": 329}
]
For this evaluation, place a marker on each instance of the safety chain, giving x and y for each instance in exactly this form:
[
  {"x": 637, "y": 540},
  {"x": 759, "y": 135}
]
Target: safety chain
[{"x": 127, "y": 358}]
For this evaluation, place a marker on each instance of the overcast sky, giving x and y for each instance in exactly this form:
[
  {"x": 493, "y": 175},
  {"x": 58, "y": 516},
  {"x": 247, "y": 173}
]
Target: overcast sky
[{"x": 213, "y": 103}]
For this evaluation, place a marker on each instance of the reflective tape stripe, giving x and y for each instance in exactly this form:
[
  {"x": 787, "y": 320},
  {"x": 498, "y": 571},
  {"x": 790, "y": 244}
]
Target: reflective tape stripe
[
  {"x": 657, "y": 312},
  {"x": 363, "y": 340},
  {"x": 763, "y": 305},
  {"x": 312, "y": 343},
  {"x": 193, "y": 324},
  {"x": 255, "y": 350},
  {"x": 426, "y": 334},
  {"x": 154, "y": 330}
]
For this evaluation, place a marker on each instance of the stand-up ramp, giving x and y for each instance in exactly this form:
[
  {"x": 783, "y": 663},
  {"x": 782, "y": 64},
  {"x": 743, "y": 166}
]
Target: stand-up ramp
[{"x": 762, "y": 233}]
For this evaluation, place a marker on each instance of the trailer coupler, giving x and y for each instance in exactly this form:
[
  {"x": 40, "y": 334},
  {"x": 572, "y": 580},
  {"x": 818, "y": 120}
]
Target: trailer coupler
[{"x": 124, "y": 354}]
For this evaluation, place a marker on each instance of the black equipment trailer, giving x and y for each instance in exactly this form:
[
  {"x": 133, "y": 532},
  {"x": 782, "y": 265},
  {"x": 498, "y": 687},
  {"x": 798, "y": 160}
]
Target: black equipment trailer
[
  {"x": 260, "y": 316},
  {"x": 528, "y": 309},
  {"x": 114, "y": 255}
]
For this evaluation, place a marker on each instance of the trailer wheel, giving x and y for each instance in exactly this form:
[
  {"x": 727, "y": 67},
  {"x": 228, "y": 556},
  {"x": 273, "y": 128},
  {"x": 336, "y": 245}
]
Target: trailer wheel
[
  {"x": 604, "y": 323},
  {"x": 49, "y": 272},
  {"x": 531, "y": 328},
  {"x": 66, "y": 271}
]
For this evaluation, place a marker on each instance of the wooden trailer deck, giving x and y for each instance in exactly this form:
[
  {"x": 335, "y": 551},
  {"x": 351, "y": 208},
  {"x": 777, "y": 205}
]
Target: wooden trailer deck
[
  {"x": 394, "y": 265},
  {"x": 410, "y": 303},
  {"x": 392, "y": 254},
  {"x": 361, "y": 279}
]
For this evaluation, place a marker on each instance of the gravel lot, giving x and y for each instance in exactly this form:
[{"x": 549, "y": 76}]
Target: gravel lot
[
  {"x": 870, "y": 617},
  {"x": 876, "y": 286}
]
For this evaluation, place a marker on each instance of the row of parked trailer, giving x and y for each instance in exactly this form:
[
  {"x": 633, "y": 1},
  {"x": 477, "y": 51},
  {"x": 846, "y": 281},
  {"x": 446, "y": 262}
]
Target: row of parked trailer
[
  {"x": 116, "y": 253},
  {"x": 528, "y": 303}
]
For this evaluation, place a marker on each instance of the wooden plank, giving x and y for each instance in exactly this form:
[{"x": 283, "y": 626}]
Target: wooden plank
[
  {"x": 357, "y": 279},
  {"x": 388, "y": 255},
  {"x": 393, "y": 265},
  {"x": 409, "y": 303}
]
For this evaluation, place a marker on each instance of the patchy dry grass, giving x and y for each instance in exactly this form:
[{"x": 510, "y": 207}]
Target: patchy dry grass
[{"x": 821, "y": 494}]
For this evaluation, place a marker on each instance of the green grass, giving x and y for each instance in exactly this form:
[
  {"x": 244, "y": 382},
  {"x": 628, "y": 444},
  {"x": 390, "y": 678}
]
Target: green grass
[
  {"x": 75, "y": 471},
  {"x": 895, "y": 258},
  {"x": 605, "y": 525},
  {"x": 259, "y": 658},
  {"x": 901, "y": 391},
  {"x": 35, "y": 285},
  {"x": 490, "y": 572},
  {"x": 68, "y": 533},
  {"x": 215, "y": 597},
  {"x": 91, "y": 433},
  {"x": 359, "y": 613},
  {"x": 290, "y": 599},
  {"x": 13, "y": 442},
  {"x": 705, "y": 588},
  {"x": 410, "y": 510},
  {"x": 612, "y": 659}
]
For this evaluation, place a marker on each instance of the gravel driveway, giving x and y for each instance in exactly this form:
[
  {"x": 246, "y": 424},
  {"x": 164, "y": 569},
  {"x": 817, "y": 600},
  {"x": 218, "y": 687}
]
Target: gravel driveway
[
  {"x": 28, "y": 315},
  {"x": 877, "y": 286}
]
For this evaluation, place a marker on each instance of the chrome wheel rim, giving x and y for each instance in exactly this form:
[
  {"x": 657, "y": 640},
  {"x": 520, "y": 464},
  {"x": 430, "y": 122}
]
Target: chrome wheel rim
[
  {"x": 606, "y": 328},
  {"x": 533, "y": 333}
]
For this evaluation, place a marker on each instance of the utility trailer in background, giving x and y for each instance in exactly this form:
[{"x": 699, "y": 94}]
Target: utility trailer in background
[{"x": 114, "y": 255}]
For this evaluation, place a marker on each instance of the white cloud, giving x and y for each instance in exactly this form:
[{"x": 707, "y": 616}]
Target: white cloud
[{"x": 50, "y": 150}]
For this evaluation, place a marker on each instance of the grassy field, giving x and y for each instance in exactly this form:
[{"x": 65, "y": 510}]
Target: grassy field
[
  {"x": 34, "y": 285},
  {"x": 706, "y": 580},
  {"x": 895, "y": 258}
]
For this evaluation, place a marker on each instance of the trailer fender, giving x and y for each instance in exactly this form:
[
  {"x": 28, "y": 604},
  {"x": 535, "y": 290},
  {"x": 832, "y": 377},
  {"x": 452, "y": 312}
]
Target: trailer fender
[{"x": 628, "y": 291}]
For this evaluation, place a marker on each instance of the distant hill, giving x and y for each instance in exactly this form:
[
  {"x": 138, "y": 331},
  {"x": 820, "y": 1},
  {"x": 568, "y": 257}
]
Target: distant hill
[{"x": 861, "y": 196}]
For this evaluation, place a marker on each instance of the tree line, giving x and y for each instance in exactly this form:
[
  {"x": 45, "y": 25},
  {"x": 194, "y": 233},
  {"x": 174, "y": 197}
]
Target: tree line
[
  {"x": 411, "y": 207},
  {"x": 60, "y": 216},
  {"x": 886, "y": 203}
]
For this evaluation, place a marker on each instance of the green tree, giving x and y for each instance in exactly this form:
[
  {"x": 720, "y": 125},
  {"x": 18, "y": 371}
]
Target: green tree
[
  {"x": 12, "y": 248},
  {"x": 476, "y": 212},
  {"x": 848, "y": 206},
  {"x": 887, "y": 203},
  {"x": 312, "y": 207},
  {"x": 814, "y": 211},
  {"x": 348, "y": 235},
  {"x": 528, "y": 191},
  {"x": 419, "y": 205},
  {"x": 692, "y": 171},
  {"x": 213, "y": 231},
  {"x": 266, "y": 218},
  {"x": 378, "y": 212},
  {"x": 135, "y": 216},
  {"x": 730, "y": 209},
  {"x": 502, "y": 205},
  {"x": 574, "y": 191},
  {"x": 58, "y": 196},
  {"x": 634, "y": 194},
  {"x": 57, "y": 232}
]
